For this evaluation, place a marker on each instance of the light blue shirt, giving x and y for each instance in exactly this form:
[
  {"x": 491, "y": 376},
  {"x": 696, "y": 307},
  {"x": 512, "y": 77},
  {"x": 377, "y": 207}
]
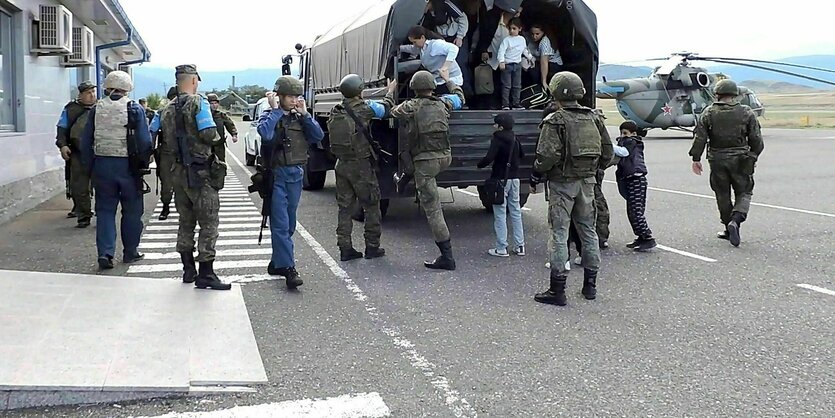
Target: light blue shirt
[{"x": 434, "y": 55}]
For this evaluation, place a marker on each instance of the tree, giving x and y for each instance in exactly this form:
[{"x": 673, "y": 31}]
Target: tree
[{"x": 154, "y": 101}]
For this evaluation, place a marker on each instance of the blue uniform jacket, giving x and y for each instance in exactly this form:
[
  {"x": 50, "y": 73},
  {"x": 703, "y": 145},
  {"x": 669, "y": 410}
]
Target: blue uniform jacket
[
  {"x": 143, "y": 134},
  {"x": 269, "y": 119}
]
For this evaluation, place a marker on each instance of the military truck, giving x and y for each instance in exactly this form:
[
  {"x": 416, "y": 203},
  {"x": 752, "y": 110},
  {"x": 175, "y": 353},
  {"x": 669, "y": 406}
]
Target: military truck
[{"x": 368, "y": 45}]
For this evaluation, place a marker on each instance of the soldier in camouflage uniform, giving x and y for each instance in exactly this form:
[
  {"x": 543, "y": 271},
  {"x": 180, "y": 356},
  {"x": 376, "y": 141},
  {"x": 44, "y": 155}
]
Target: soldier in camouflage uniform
[
  {"x": 426, "y": 119},
  {"x": 68, "y": 140},
  {"x": 356, "y": 167},
  {"x": 165, "y": 153},
  {"x": 198, "y": 176},
  {"x": 224, "y": 123},
  {"x": 573, "y": 144},
  {"x": 731, "y": 132}
]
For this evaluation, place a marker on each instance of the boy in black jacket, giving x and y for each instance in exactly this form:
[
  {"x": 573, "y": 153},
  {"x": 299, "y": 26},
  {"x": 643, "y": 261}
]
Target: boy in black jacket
[{"x": 632, "y": 184}]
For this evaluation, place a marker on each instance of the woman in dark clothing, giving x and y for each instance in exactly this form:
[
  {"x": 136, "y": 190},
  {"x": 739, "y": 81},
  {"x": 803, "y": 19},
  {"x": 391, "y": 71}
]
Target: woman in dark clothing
[{"x": 505, "y": 154}]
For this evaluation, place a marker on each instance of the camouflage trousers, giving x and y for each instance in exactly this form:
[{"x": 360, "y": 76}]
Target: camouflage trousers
[
  {"x": 569, "y": 201},
  {"x": 735, "y": 172},
  {"x": 602, "y": 221},
  {"x": 427, "y": 192},
  {"x": 165, "y": 171},
  {"x": 357, "y": 181},
  {"x": 80, "y": 188},
  {"x": 196, "y": 206},
  {"x": 220, "y": 150}
]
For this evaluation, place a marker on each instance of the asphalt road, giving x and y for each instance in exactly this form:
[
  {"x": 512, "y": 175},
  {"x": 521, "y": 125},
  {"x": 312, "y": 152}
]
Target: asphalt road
[{"x": 698, "y": 328}]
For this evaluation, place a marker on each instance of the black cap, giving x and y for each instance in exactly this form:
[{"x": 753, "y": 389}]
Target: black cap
[
  {"x": 505, "y": 120},
  {"x": 187, "y": 69},
  {"x": 85, "y": 85}
]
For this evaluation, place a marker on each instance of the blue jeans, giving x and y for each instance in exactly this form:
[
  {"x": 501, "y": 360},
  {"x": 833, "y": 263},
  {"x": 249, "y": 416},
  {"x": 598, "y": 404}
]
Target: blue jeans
[
  {"x": 511, "y": 84},
  {"x": 287, "y": 191},
  {"x": 114, "y": 185},
  {"x": 511, "y": 202}
]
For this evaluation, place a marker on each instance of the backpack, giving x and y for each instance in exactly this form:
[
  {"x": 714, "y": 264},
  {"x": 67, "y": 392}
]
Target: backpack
[{"x": 483, "y": 77}]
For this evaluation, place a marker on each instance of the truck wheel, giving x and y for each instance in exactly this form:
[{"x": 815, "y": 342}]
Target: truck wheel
[
  {"x": 523, "y": 198},
  {"x": 250, "y": 160},
  {"x": 314, "y": 180}
]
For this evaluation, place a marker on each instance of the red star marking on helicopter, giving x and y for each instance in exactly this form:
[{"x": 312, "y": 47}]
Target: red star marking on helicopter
[{"x": 667, "y": 110}]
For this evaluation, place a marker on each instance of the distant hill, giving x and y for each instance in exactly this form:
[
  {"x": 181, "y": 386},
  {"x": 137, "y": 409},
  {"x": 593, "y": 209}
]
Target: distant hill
[
  {"x": 752, "y": 76},
  {"x": 619, "y": 72},
  {"x": 149, "y": 79}
]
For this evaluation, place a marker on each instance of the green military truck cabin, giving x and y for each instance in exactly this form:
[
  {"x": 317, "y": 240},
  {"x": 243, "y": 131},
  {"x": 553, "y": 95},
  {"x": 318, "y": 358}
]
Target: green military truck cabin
[{"x": 368, "y": 45}]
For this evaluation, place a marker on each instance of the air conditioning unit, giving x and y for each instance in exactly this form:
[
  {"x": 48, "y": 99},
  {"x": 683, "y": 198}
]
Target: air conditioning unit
[
  {"x": 54, "y": 30},
  {"x": 83, "y": 48}
]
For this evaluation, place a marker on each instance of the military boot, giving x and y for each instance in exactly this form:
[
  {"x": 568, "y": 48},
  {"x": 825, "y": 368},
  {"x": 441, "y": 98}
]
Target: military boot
[
  {"x": 723, "y": 234},
  {"x": 589, "y": 284},
  {"x": 733, "y": 229},
  {"x": 555, "y": 295},
  {"x": 207, "y": 278},
  {"x": 164, "y": 214},
  {"x": 374, "y": 252},
  {"x": 348, "y": 254},
  {"x": 189, "y": 269},
  {"x": 445, "y": 261},
  {"x": 292, "y": 276}
]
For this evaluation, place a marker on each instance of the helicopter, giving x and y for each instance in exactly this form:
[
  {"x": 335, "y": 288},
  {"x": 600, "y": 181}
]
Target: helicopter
[{"x": 676, "y": 92}]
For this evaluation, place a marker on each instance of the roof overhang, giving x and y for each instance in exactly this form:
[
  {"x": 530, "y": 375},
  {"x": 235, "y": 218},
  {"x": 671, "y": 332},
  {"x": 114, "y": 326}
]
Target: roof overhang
[{"x": 110, "y": 23}]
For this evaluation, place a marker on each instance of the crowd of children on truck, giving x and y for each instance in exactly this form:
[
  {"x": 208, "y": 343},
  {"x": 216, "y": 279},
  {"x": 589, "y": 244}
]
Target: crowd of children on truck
[{"x": 491, "y": 54}]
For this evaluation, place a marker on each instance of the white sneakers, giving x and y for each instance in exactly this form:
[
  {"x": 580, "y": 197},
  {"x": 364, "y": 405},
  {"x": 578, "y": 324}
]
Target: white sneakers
[{"x": 520, "y": 251}]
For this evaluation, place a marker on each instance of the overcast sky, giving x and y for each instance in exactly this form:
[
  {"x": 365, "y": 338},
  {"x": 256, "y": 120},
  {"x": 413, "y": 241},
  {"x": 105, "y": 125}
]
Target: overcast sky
[{"x": 244, "y": 34}]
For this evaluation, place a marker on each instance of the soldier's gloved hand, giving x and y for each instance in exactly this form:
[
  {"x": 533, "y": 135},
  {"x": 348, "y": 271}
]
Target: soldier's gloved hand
[{"x": 536, "y": 178}]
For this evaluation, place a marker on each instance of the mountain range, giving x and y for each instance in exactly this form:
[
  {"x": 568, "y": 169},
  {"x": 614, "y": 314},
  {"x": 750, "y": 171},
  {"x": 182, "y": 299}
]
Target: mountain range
[
  {"x": 149, "y": 79},
  {"x": 762, "y": 78}
]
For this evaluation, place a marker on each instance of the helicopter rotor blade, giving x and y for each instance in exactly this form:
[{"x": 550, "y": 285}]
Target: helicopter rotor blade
[
  {"x": 807, "y": 67},
  {"x": 819, "y": 80}
]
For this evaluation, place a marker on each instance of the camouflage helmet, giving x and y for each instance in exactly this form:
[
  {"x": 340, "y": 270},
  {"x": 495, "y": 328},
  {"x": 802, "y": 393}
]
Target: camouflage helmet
[
  {"x": 351, "y": 85},
  {"x": 726, "y": 87},
  {"x": 566, "y": 85},
  {"x": 118, "y": 80},
  {"x": 288, "y": 86},
  {"x": 172, "y": 93},
  {"x": 212, "y": 97},
  {"x": 422, "y": 80}
]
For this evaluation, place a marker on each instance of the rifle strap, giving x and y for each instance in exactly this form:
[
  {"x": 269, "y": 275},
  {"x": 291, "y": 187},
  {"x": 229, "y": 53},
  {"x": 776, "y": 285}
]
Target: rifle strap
[{"x": 363, "y": 128}]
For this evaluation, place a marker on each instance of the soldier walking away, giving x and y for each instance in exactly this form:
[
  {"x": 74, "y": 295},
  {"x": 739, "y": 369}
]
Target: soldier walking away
[
  {"x": 426, "y": 119},
  {"x": 573, "y": 144},
  {"x": 116, "y": 145},
  {"x": 71, "y": 125},
  {"x": 165, "y": 154},
  {"x": 731, "y": 132},
  {"x": 287, "y": 130},
  {"x": 197, "y": 177},
  {"x": 356, "y": 167},
  {"x": 224, "y": 123}
]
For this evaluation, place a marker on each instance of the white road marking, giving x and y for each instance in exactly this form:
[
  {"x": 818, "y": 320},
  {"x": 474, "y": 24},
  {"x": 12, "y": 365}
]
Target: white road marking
[
  {"x": 153, "y": 236},
  {"x": 218, "y": 265},
  {"x": 224, "y": 215},
  {"x": 764, "y": 205},
  {"x": 237, "y": 252},
  {"x": 218, "y": 243},
  {"x": 817, "y": 289},
  {"x": 454, "y": 401},
  {"x": 466, "y": 192},
  {"x": 251, "y": 278},
  {"x": 685, "y": 253},
  {"x": 366, "y": 405},
  {"x": 227, "y": 218},
  {"x": 526, "y": 209},
  {"x": 221, "y": 226}
]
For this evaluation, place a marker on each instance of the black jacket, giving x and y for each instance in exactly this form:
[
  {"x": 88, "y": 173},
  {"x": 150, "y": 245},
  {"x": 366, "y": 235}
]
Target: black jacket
[
  {"x": 499, "y": 152},
  {"x": 634, "y": 163}
]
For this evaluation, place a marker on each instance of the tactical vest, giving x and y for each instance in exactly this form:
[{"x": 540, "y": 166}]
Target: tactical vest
[
  {"x": 726, "y": 127},
  {"x": 111, "y": 135},
  {"x": 290, "y": 144},
  {"x": 346, "y": 140},
  {"x": 428, "y": 128},
  {"x": 581, "y": 137}
]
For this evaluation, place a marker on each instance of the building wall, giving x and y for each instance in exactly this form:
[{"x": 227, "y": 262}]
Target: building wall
[{"x": 31, "y": 168}]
